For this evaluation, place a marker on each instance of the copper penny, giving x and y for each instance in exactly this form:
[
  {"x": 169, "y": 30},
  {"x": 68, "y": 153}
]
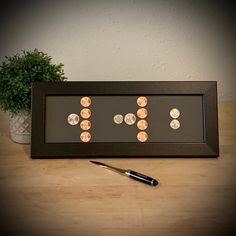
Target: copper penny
[
  {"x": 142, "y": 136},
  {"x": 142, "y": 101},
  {"x": 73, "y": 119},
  {"x": 85, "y": 124},
  {"x": 85, "y": 113},
  {"x": 142, "y": 113},
  {"x": 142, "y": 124},
  {"x": 85, "y": 137},
  {"x": 85, "y": 101}
]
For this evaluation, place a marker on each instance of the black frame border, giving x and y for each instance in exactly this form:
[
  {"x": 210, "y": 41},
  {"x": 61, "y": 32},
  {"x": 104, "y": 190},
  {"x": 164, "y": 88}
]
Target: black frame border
[{"x": 208, "y": 89}]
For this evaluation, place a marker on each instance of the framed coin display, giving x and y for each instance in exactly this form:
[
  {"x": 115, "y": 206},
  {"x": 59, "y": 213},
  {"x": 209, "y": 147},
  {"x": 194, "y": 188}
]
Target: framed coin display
[{"x": 124, "y": 119}]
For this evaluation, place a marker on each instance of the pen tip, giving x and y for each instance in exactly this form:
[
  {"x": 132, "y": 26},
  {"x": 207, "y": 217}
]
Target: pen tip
[{"x": 98, "y": 163}]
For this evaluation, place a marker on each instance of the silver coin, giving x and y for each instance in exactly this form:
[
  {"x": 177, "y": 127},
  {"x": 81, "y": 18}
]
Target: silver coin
[
  {"x": 118, "y": 119},
  {"x": 174, "y": 113},
  {"x": 174, "y": 124},
  {"x": 73, "y": 119},
  {"x": 130, "y": 118}
]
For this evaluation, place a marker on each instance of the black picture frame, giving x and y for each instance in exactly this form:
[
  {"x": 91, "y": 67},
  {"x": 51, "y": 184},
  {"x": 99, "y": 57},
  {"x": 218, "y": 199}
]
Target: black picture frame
[{"x": 207, "y": 89}]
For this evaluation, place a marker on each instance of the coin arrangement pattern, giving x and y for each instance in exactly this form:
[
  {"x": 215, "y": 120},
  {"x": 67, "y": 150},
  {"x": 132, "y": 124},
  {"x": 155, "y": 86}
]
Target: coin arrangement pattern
[
  {"x": 140, "y": 118},
  {"x": 85, "y": 124},
  {"x": 142, "y": 124},
  {"x": 131, "y": 118},
  {"x": 175, "y": 113}
]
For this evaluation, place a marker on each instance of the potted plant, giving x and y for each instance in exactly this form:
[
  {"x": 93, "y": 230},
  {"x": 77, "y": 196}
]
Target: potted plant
[{"x": 16, "y": 76}]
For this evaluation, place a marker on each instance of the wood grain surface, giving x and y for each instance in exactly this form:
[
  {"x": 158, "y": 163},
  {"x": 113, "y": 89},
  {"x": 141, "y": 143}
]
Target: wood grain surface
[{"x": 196, "y": 196}]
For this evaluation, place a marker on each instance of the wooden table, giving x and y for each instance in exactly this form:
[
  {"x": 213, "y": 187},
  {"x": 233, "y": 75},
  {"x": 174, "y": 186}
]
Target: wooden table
[{"x": 74, "y": 197}]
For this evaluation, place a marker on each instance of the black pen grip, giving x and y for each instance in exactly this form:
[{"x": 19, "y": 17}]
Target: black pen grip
[{"x": 143, "y": 178}]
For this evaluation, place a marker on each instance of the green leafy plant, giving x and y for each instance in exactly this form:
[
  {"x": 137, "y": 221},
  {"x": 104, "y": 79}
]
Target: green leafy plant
[{"x": 17, "y": 74}]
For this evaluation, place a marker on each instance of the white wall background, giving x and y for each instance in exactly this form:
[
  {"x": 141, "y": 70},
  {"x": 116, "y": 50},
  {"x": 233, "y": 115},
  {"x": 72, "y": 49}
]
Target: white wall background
[{"x": 127, "y": 40}]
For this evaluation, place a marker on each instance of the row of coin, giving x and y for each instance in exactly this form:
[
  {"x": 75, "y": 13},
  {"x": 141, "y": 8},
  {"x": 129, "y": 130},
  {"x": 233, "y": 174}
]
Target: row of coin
[
  {"x": 130, "y": 119},
  {"x": 142, "y": 124},
  {"x": 85, "y": 113},
  {"x": 73, "y": 118},
  {"x": 174, "y": 113}
]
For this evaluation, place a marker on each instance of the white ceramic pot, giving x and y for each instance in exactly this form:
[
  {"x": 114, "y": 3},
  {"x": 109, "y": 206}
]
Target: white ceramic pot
[{"x": 20, "y": 126}]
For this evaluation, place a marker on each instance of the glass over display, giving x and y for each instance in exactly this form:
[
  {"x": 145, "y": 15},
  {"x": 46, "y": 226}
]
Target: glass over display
[{"x": 124, "y": 118}]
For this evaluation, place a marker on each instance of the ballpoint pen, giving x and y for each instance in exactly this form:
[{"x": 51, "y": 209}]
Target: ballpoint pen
[{"x": 130, "y": 173}]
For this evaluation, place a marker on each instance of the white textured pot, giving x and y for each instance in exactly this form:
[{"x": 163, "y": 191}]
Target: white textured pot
[{"x": 20, "y": 126}]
